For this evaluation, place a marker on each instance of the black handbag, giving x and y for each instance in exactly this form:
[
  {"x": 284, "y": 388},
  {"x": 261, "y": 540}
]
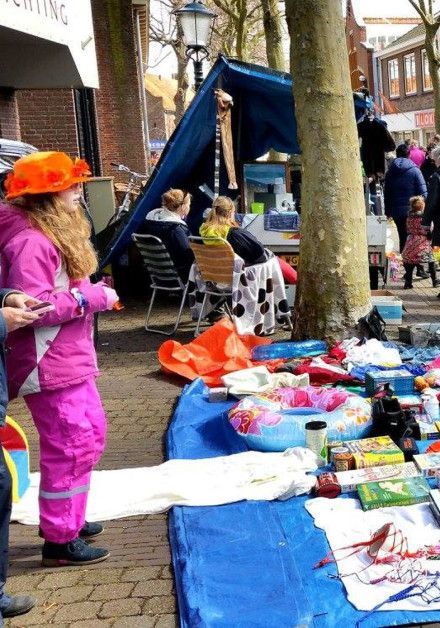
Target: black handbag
[
  {"x": 390, "y": 420},
  {"x": 372, "y": 325}
]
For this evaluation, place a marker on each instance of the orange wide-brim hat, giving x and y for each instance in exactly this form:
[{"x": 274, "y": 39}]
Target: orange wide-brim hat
[{"x": 45, "y": 173}]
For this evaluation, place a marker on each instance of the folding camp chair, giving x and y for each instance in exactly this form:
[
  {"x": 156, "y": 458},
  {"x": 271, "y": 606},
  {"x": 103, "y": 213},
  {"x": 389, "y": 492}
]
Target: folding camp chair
[
  {"x": 215, "y": 262},
  {"x": 163, "y": 274}
]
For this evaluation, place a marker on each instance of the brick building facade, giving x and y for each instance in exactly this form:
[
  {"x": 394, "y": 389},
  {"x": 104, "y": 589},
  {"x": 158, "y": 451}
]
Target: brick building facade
[
  {"x": 49, "y": 119},
  {"x": 367, "y": 31},
  {"x": 406, "y": 88}
]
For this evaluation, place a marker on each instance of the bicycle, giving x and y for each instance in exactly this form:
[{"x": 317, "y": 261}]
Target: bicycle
[{"x": 136, "y": 178}]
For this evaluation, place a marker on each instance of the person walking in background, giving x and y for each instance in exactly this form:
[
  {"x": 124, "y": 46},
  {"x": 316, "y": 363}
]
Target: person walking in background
[
  {"x": 428, "y": 167},
  {"x": 416, "y": 154},
  {"x": 45, "y": 250},
  {"x": 403, "y": 180},
  {"x": 13, "y": 315},
  {"x": 431, "y": 216},
  {"x": 417, "y": 249}
]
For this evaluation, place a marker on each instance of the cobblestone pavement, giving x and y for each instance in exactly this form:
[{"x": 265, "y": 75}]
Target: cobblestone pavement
[{"x": 134, "y": 587}]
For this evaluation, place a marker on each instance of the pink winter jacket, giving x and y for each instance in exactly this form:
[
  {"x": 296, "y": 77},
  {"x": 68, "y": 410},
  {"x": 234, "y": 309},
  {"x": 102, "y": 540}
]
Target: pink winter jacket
[{"x": 57, "y": 350}]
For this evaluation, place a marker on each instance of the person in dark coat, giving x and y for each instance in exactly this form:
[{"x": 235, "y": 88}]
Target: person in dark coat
[
  {"x": 12, "y": 316},
  {"x": 432, "y": 207},
  {"x": 428, "y": 167},
  {"x": 168, "y": 224},
  {"x": 402, "y": 181},
  {"x": 376, "y": 141}
]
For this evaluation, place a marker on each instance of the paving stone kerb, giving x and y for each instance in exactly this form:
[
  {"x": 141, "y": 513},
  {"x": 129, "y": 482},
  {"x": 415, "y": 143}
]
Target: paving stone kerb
[{"x": 134, "y": 587}]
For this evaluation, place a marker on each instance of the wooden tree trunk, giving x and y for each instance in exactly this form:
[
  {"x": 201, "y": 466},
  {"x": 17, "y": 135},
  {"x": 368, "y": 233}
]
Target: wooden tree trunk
[
  {"x": 182, "y": 81},
  {"x": 434, "y": 70},
  {"x": 333, "y": 290},
  {"x": 273, "y": 34}
]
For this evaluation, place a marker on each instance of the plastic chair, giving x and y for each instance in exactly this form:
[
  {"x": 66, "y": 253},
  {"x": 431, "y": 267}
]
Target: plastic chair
[
  {"x": 215, "y": 262},
  {"x": 163, "y": 274}
]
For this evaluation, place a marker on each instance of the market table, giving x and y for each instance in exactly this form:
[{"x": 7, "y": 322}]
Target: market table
[{"x": 250, "y": 563}]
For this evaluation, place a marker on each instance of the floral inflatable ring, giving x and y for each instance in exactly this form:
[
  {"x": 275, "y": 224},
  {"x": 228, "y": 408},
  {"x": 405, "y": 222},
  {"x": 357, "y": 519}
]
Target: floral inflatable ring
[{"x": 275, "y": 421}]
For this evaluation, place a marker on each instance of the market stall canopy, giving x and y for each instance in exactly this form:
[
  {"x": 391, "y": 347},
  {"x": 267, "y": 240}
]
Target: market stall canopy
[
  {"x": 263, "y": 117},
  {"x": 47, "y": 44}
]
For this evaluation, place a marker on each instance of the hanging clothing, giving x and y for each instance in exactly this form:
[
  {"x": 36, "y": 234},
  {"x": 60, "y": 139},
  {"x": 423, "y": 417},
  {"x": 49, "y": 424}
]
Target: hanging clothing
[
  {"x": 376, "y": 141},
  {"x": 224, "y": 107}
]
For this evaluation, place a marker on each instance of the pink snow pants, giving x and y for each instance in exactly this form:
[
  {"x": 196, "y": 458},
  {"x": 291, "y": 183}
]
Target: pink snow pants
[{"x": 72, "y": 427}]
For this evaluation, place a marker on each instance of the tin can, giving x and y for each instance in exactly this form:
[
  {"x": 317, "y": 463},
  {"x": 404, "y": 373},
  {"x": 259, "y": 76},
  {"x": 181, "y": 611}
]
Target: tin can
[
  {"x": 337, "y": 450},
  {"x": 327, "y": 485},
  {"x": 316, "y": 439},
  {"x": 343, "y": 461},
  {"x": 332, "y": 444}
]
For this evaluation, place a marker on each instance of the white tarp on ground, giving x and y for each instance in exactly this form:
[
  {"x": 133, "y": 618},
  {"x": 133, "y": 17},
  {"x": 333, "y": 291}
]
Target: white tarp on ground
[
  {"x": 248, "y": 475},
  {"x": 345, "y": 523}
]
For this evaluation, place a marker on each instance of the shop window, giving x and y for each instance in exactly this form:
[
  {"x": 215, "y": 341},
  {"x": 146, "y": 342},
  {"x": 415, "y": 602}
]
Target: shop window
[
  {"x": 410, "y": 73},
  {"x": 393, "y": 78},
  {"x": 427, "y": 81}
]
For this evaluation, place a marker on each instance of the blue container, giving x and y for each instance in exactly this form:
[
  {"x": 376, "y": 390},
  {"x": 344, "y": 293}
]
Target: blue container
[{"x": 401, "y": 381}]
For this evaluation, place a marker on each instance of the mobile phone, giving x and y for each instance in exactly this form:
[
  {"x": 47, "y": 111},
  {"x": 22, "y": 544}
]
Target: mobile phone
[{"x": 41, "y": 308}]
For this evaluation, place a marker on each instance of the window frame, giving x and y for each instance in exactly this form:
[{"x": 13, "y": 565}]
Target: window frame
[
  {"x": 395, "y": 63},
  {"x": 424, "y": 57},
  {"x": 412, "y": 56}
]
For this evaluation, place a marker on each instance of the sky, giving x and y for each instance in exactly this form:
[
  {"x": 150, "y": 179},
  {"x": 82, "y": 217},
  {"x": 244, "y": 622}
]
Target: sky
[{"x": 163, "y": 61}]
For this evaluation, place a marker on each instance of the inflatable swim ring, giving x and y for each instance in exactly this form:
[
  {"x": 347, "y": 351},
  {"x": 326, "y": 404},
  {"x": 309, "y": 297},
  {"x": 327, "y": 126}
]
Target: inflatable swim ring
[{"x": 275, "y": 421}]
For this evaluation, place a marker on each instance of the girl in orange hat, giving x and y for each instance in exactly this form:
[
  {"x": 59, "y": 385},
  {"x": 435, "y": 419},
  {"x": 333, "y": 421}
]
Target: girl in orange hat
[{"x": 45, "y": 251}]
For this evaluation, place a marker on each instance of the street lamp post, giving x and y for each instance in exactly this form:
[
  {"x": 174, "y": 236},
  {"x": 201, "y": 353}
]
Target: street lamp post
[{"x": 195, "y": 22}]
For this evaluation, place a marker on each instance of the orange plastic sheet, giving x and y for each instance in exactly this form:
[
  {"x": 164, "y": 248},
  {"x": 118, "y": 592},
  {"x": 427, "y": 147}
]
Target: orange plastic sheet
[{"x": 217, "y": 351}]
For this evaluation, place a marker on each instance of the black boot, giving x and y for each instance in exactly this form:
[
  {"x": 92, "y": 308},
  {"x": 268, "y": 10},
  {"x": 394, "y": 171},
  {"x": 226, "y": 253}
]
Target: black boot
[
  {"x": 409, "y": 269},
  {"x": 433, "y": 274},
  {"x": 76, "y": 552}
]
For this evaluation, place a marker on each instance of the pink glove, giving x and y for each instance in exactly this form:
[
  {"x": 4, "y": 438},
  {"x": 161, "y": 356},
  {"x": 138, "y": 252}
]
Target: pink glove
[{"x": 112, "y": 297}]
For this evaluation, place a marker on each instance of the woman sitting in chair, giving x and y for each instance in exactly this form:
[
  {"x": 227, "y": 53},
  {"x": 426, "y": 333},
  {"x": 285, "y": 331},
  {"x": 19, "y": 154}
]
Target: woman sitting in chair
[
  {"x": 168, "y": 224},
  {"x": 220, "y": 223}
]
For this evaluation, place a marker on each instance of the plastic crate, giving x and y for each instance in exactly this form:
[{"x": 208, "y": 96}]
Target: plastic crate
[
  {"x": 285, "y": 221},
  {"x": 401, "y": 381}
]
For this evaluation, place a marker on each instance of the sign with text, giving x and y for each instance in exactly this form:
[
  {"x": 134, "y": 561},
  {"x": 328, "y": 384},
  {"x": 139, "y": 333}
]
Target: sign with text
[
  {"x": 424, "y": 119},
  {"x": 65, "y": 22}
]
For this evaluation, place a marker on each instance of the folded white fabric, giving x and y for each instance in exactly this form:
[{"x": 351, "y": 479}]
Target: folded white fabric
[
  {"x": 345, "y": 523},
  {"x": 248, "y": 475},
  {"x": 257, "y": 379}
]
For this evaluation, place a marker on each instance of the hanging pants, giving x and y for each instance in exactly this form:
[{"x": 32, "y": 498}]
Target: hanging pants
[{"x": 72, "y": 427}]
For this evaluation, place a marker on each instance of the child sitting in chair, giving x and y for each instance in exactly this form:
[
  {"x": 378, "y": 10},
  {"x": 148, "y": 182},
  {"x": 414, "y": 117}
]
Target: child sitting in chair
[
  {"x": 417, "y": 249},
  {"x": 220, "y": 223}
]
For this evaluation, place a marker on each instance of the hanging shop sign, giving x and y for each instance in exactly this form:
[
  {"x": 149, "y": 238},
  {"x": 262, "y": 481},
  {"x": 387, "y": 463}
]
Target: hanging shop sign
[{"x": 47, "y": 43}]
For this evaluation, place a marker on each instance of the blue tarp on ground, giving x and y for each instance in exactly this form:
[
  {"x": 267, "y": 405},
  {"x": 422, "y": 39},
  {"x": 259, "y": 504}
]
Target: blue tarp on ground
[
  {"x": 249, "y": 564},
  {"x": 263, "y": 118}
]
